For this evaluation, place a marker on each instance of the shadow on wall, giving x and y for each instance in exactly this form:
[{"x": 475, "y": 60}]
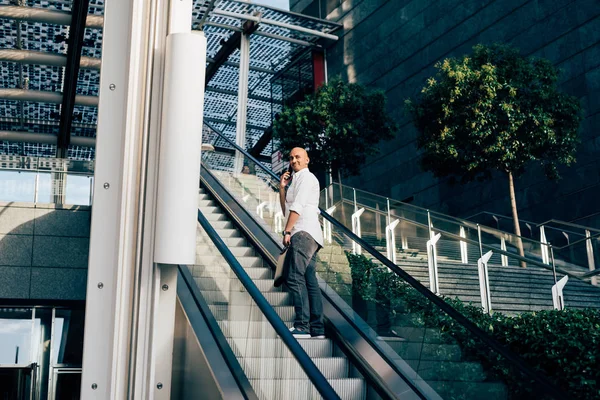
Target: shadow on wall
[{"x": 43, "y": 251}]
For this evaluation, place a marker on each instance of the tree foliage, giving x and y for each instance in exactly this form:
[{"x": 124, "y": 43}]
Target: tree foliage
[
  {"x": 340, "y": 126},
  {"x": 494, "y": 110},
  {"x": 562, "y": 345}
]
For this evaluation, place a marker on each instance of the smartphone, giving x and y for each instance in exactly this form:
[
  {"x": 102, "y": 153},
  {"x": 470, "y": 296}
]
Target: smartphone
[{"x": 290, "y": 170}]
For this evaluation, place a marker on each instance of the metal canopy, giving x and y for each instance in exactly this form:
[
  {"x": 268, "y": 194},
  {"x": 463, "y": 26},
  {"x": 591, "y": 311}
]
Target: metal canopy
[{"x": 40, "y": 76}]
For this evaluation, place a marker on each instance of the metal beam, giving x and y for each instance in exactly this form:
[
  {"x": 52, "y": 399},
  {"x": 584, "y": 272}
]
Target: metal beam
[
  {"x": 225, "y": 150},
  {"x": 75, "y": 44},
  {"x": 31, "y": 14},
  {"x": 44, "y": 58},
  {"x": 237, "y": 65},
  {"x": 45, "y": 97},
  {"x": 262, "y": 142},
  {"x": 44, "y": 138},
  {"x": 232, "y": 123},
  {"x": 260, "y": 20},
  {"x": 265, "y": 34},
  {"x": 227, "y": 48},
  {"x": 45, "y": 122},
  {"x": 234, "y": 93}
]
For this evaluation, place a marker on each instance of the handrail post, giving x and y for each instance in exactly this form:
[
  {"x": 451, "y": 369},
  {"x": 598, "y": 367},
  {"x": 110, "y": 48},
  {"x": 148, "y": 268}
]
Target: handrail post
[
  {"x": 544, "y": 246},
  {"x": 479, "y": 238},
  {"x": 464, "y": 257},
  {"x": 590, "y": 256},
  {"x": 503, "y": 257},
  {"x": 390, "y": 240},
  {"x": 354, "y": 193},
  {"x": 434, "y": 283},
  {"x": 278, "y": 221},
  {"x": 356, "y": 249},
  {"x": 484, "y": 282},
  {"x": 558, "y": 300},
  {"x": 327, "y": 225}
]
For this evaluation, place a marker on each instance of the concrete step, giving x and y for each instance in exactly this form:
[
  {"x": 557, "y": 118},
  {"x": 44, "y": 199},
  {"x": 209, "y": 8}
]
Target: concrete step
[
  {"x": 227, "y": 232},
  {"x": 469, "y": 390}
]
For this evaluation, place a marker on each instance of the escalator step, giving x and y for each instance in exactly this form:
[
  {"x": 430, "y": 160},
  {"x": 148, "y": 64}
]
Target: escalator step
[
  {"x": 289, "y": 368},
  {"x": 302, "y": 389},
  {"x": 275, "y": 348}
]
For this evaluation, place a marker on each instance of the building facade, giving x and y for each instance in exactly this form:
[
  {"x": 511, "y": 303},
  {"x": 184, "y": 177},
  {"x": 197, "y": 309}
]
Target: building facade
[{"x": 394, "y": 44}]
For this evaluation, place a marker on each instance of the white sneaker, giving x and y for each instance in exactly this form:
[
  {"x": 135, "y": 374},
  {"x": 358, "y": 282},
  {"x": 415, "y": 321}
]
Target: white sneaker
[{"x": 298, "y": 334}]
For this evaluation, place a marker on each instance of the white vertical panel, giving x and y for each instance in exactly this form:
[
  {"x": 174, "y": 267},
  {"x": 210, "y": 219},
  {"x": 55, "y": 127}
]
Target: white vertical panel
[{"x": 181, "y": 140}]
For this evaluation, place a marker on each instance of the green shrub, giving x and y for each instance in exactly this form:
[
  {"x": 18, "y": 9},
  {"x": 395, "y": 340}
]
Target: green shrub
[{"x": 563, "y": 345}]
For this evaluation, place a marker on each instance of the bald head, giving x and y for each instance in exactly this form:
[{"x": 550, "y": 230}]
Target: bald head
[{"x": 298, "y": 159}]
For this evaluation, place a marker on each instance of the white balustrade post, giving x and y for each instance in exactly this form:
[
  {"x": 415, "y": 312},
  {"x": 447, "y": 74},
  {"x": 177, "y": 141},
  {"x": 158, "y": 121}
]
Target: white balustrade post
[
  {"x": 390, "y": 240},
  {"x": 557, "y": 293},
  {"x": 464, "y": 258},
  {"x": 544, "y": 246},
  {"x": 590, "y": 256},
  {"x": 260, "y": 208},
  {"x": 484, "y": 282},
  {"x": 356, "y": 249},
  {"x": 278, "y": 222},
  {"x": 327, "y": 225},
  {"x": 432, "y": 263},
  {"x": 503, "y": 258}
]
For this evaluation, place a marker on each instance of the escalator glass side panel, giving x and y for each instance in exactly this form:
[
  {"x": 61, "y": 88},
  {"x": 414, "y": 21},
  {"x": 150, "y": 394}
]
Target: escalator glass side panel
[{"x": 269, "y": 365}]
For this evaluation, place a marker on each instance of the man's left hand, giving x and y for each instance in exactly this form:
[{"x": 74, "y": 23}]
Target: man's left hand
[{"x": 287, "y": 240}]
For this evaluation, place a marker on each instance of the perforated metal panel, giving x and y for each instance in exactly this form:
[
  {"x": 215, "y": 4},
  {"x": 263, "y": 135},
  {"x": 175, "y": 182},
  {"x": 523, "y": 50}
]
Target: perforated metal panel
[{"x": 268, "y": 55}]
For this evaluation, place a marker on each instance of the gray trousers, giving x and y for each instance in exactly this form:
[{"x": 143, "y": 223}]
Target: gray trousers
[{"x": 301, "y": 280}]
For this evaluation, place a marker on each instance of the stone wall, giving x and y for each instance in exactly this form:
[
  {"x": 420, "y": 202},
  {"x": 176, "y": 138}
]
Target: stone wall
[
  {"x": 393, "y": 45},
  {"x": 43, "y": 251}
]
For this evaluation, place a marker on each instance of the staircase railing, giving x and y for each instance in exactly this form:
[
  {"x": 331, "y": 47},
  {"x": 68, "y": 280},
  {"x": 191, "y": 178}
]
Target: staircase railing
[
  {"x": 512, "y": 361},
  {"x": 575, "y": 255},
  {"x": 573, "y": 243}
]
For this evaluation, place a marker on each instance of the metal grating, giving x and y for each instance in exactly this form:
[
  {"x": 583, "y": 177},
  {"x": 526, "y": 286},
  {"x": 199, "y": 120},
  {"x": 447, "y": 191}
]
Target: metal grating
[{"x": 269, "y": 54}]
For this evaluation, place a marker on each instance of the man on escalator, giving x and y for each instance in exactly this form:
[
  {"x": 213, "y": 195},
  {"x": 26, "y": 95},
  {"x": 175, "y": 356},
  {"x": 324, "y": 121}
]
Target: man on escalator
[{"x": 303, "y": 238}]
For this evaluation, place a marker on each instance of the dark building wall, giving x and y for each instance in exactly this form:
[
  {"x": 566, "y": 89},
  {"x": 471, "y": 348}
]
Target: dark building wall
[
  {"x": 43, "y": 251},
  {"x": 393, "y": 45}
]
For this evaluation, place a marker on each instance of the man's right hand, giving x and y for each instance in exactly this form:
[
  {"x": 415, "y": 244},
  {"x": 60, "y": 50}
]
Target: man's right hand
[{"x": 285, "y": 180}]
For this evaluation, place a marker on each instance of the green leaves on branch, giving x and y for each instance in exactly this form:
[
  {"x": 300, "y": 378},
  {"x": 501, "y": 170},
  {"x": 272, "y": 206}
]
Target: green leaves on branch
[
  {"x": 494, "y": 110},
  {"x": 340, "y": 126}
]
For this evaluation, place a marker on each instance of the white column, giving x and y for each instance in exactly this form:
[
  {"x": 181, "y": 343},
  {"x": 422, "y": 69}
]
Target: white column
[
  {"x": 390, "y": 240},
  {"x": 464, "y": 257},
  {"x": 242, "y": 106},
  {"x": 356, "y": 249}
]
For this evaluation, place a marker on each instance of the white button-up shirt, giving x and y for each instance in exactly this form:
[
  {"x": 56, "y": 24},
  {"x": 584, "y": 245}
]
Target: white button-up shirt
[{"x": 303, "y": 197}]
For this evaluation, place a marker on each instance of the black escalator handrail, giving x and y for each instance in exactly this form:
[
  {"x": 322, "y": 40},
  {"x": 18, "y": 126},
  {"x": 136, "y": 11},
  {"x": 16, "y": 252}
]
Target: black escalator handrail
[
  {"x": 311, "y": 370},
  {"x": 544, "y": 383}
]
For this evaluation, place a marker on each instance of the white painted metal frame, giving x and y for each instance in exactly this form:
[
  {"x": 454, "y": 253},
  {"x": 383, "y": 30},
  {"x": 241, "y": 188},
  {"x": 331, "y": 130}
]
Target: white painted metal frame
[
  {"x": 390, "y": 240},
  {"x": 356, "y": 249},
  {"x": 590, "y": 256},
  {"x": 242, "y": 105},
  {"x": 464, "y": 257},
  {"x": 544, "y": 246},
  {"x": 327, "y": 234},
  {"x": 122, "y": 355},
  {"x": 558, "y": 299},
  {"x": 484, "y": 282},
  {"x": 434, "y": 283}
]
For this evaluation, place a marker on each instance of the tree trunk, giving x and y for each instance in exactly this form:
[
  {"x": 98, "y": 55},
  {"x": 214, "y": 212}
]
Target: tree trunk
[{"x": 513, "y": 206}]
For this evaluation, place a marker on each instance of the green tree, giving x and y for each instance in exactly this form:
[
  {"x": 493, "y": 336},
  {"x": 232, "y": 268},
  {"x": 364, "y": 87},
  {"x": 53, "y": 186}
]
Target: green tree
[
  {"x": 340, "y": 126},
  {"x": 495, "y": 111}
]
